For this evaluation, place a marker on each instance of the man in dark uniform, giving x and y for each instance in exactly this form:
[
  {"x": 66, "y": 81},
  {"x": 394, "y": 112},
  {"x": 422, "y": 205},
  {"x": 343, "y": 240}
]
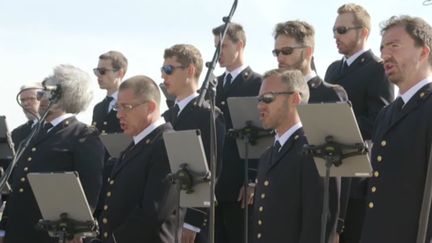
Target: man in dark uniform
[
  {"x": 30, "y": 105},
  {"x": 237, "y": 81},
  {"x": 403, "y": 135},
  {"x": 63, "y": 144},
  {"x": 140, "y": 203},
  {"x": 110, "y": 71},
  {"x": 294, "y": 49},
  {"x": 288, "y": 193},
  {"x": 361, "y": 73},
  {"x": 181, "y": 70}
]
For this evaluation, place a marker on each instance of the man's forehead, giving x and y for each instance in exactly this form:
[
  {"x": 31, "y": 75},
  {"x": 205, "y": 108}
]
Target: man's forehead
[
  {"x": 29, "y": 92},
  {"x": 105, "y": 63}
]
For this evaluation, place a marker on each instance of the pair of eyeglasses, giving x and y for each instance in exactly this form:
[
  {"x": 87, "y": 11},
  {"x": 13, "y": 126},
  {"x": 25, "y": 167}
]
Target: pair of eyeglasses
[
  {"x": 43, "y": 94},
  {"x": 169, "y": 69},
  {"x": 102, "y": 71},
  {"x": 286, "y": 50},
  {"x": 126, "y": 107},
  {"x": 342, "y": 30},
  {"x": 271, "y": 96}
]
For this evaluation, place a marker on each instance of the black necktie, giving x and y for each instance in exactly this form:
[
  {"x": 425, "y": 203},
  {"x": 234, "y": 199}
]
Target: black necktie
[
  {"x": 30, "y": 123},
  {"x": 276, "y": 147},
  {"x": 174, "y": 114},
  {"x": 397, "y": 108},
  {"x": 106, "y": 103},
  {"x": 44, "y": 130},
  {"x": 344, "y": 67},
  {"x": 126, "y": 151},
  {"x": 275, "y": 151},
  {"x": 228, "y": 79}
]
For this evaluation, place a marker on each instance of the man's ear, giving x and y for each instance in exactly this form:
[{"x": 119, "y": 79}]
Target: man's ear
[
  {"x": 240, "y": 45},
  {"x": 152, "y": 106},
  {"x": 296, "y": 98},
  {"x": 191, "y": 70},
  {"x": 121, "y": 73},
  {"x": 425, "y": 53},
  {"x": 364, "y": 32}
]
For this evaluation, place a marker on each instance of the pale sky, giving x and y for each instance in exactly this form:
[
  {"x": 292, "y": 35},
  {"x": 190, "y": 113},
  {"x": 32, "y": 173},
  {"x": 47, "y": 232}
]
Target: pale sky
[{"x": 39, "y": 35}]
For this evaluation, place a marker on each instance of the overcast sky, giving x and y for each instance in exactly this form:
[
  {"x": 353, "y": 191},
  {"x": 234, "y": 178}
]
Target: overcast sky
[{"x": 35, "y": 36}]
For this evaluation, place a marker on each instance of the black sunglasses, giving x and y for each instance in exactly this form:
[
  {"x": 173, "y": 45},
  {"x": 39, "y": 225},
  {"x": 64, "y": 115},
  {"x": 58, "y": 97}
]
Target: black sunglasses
[
  {"x": 286, "y": 50},
  {"x": 42, "y": 94},
  {"x": 169, "y": 69},
  {"x": 102, "y": 71},
  {"x": 343, "y": 29},
  {"x": 271, "y": 96}
]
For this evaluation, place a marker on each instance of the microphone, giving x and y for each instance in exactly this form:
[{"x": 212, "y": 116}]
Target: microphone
[
  {"x": 52, "y": 91},
  {"x": 51, "y": 88}
]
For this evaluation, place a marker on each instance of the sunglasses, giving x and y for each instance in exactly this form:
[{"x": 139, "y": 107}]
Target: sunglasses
[
  {"x": 102, "y": 71},
  {"x": 271, "y": 96},
  {"x": 286, "y": 50},
  {"x": 169, "y": 69},
  {"x": 343, "y": 29}
]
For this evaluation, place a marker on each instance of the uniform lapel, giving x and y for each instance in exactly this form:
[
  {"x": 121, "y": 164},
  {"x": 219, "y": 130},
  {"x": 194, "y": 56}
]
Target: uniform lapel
[
  {"x": 132, "y": 151},
  {"x": 65, "y": 123},
  {"x": 314, "y": 83},
  {"x": 355, "y": 66},
  {"x": 288, "y": 145},
  {"x": 185, "y": 112},
  {"x": 409, "y": 107}
]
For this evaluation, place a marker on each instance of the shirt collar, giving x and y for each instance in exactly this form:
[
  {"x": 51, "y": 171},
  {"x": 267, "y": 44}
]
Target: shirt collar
[
  {"x": 34, "y": 122},
  {"x": 184, "y": 102},
  {"x": 310, "y": 76},
  {"x": 234, "y": 73},
  {"x": 352, "y": 58},
  {"x": 148, "y": 130},
  {"x": 413, "y": 90},
  {"x": 114, "y": 96},
  {"x": 60, "y": 119},
  {"x": 286, "y": 135}
]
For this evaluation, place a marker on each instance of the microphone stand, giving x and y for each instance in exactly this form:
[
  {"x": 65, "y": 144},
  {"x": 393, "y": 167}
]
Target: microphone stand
[
  {"x": 209, "y": 86},
  {"x": 185, "y": 179},
  {"x": 250, "y": 134},
  {"x": 333, "y": 154},
  {"x": 55, "y": 95},
  {"x": 426, "y": 203}
]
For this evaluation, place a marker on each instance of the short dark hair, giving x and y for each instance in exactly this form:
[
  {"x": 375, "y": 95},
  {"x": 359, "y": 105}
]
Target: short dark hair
[
  {"x": 234, "y": 32},
  {"x": 144, "y": 88},
  {"x": 186, "y": 55},
  {"x": 118, "y": 60},
  {"x": 419, "y": 30},
  {"x": 301, "y": 31}
]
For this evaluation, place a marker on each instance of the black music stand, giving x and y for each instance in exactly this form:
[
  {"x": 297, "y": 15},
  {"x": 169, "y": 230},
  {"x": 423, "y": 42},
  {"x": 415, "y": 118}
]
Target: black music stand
[
  {"x": 252, "y": 140},
  {"x": 186, "y": 155},
  {"x": 7, "y": 151},
  {"x": 65, "y": 215},
  {"x": 190, "y": 172},
  {"x": 336, "y": 144}
]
